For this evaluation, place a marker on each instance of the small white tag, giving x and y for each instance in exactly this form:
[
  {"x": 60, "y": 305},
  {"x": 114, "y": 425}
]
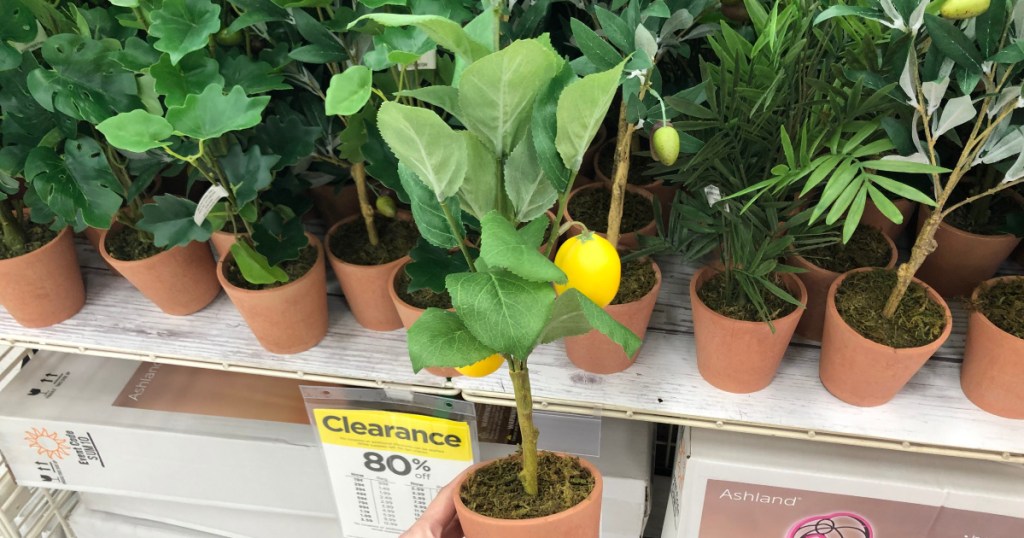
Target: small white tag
[
  {"x": 713, "y": 195},
  {"x": 427, "y": 61},
  {"x": 206, "y": 203}
]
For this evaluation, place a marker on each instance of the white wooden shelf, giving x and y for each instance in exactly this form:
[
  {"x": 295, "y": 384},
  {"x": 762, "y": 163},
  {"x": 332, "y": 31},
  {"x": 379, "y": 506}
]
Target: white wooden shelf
[
  {"x": 117, "y": 321},
  {"x": 930, "y": 415}
]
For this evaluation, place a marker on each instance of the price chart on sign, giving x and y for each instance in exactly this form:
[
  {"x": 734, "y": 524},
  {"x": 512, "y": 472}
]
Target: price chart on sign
[{"x": 386, "y": 467}]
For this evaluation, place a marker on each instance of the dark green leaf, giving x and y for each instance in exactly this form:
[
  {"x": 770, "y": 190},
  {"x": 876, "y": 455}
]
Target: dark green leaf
[
  {"x": 315, "y": 54},
  {"x": 137, "y": 55},
  {"x": 279, "y": 239},
  {"x": 544, "y": 128},
  {"x": 76, "y": 188},
  {"x": 318, "y": 36},
  {"x": 953, "y": 43},
  {"x": 18, "y": 24},
  {"x": 501, "y": 246},
  {"x": 254, "y": 76},
  {"x": 427, "y": 212},
  {"x": 1013, "y": 53},
  {"x": 300, "y": 142},
  {"x": 574, "y": 314},
  {"x": 430, "y": 266},
  {"x": 594, "y": 47},
  {"x": 191, "y": 75},
  {"x": 615, "y": 29},
  {"x": 440, "y": 338},
  {"x": 255, "y": 12},
  {"x": 503, "y": 311},
  {"x": 170, "y": 220},
  {"x": 248, "y": 172},
  {"x": 988, "y": 27},
  {"x": 183, "y": 26}
]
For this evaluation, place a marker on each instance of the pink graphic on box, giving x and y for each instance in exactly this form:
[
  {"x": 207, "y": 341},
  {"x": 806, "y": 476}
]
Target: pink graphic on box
[{"x": 835, "y": 525}]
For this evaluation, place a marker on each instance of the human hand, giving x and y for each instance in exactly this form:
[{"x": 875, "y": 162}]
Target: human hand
[{"x": 439, "y": 520}]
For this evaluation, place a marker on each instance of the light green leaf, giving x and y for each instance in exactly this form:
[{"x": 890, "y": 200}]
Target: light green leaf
[
  {"x": 254, "y": 266},
  {"x": 440, "y": 339},
  {"x": 901, "y": 189},
  {"x": 183, "y": 26},
  {"x": 645, "y": 42},
  {"x": 581, "y": 109},
  {"x": 349, "y": 91},
  {"x": 904, "y": 167},
  {"x": 427, "y": 213},
  {"x": 502, "y": 246},
  {"x": 496, "y": 93},
  {"x": 884, "y": 205},
  {"x": 211, "y": 114},
  {"x": 479, "y": 193},
  {"x": 136, "y": 131},
  {"x": 444, "y": 97},
  {"x": 505, "y": 312},
  {"x": 76, "y": 188},
  {"x": 574, "y": 314},
  {"x": 855, "y": 212},
  {"x": 170, "y": 220},
  {"x": 529, "y": 190},
  {"x": 426, "y": 144},
  {"x": 248, "y": 172},
  {"x": 125, "y": 3},
  {"x": 445, "y": 32}
]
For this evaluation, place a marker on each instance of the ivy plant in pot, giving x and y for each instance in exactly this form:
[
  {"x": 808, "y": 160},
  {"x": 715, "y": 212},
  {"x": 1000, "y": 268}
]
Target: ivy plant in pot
[
  {"x": 525, "y": 113},
  {"x": 883, "y": 326},
  {"x": 275, "y": 273}
]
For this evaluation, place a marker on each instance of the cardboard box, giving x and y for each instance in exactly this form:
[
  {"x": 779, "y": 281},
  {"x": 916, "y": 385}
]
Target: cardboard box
[
  {"x": 729, "y": 485},
  {"x": 209, "y": 449},
  {"x": 162, "y": 432}
]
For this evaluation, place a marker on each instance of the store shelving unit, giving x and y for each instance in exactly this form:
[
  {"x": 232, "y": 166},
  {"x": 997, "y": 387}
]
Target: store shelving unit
[{"x": 930, "y": 415}]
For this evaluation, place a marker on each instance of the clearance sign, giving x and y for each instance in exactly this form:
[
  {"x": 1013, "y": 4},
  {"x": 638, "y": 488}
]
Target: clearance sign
[{"x": 386, "y": 467}]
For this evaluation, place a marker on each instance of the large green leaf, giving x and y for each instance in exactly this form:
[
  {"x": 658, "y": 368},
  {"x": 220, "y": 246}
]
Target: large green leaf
[
  {"x": 479, "y": 193},
  {"x": 581, "y": 109},
  {"x": 349, "y": 91},
  {"x": 183, "y": 26},
  {"x": 528, "y": 188},
  {"x": 300, "y": 142},
  {"x": 496, "y": 93},
  {"x": 136, "y": 131},
  {"x": 248, "y": 172},
  {"x": 445, "y": 32},
  {"x": 953, "y": 43},
  {"x": 427, "y": 213},
  {"x": 254, "y": 76},
  {"x": 502, "y": 246},
  {"x": 170, "y": 220},
  {"x": 594, "y": 47},
  {"x": 544, "y": 128},
  {"x": 574, "y": 314},
  {"x": 278, "y": 238},
  {"x": 254, "y": 266},
  {"x": 211, "y": 113},
  {"x": 426, "y": 144},
  {"x": 505, "y": 312},
  {"x": 84, "y": 82},
  {"x": 191, "y": 75},
  {"x": 440, "y": 338},
  {"x": 76, "y": 188},
  {"x": 18, "y": 24}
]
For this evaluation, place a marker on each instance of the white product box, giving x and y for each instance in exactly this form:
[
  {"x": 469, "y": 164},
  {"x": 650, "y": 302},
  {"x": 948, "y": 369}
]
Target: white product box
[
  {"x": 729, "y": 485},
  {"x": 88, "y": 523},
  {"x": 162, "y": 432}
]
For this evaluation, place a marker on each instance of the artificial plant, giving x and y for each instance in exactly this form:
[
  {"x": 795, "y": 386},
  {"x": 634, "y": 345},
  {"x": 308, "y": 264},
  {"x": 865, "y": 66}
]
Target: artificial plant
[
  {"x": 528, "y": 121},
  {"x": 950, "y": 74}
]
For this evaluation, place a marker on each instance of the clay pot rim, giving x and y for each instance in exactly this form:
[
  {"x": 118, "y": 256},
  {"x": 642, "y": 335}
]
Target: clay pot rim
[
  {"x": 979, "y": 315},
  {"x": 393, "y": 278},
  {"x": 654, "y": 289},
  {"x": 226, "y": 284},
  {"x": 830, "y": 304},
  {"x": 593, "y": 497},
  {"x": 402, "y": 215},
  {"x": 102, "y": 244},
  {"x": 893, "y": 257},
  {"x": 48, "y": 246},
  {"x": 601, "y": 178},
  {"x": 786, "y": 276},
  {"x": 926, "y": 211},
  {"x": 629, "y": 188}
]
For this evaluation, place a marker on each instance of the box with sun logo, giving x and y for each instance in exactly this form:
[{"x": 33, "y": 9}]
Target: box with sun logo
[
  {"x": 729, "y": 485},
  {"x": 163, "y": 432}
]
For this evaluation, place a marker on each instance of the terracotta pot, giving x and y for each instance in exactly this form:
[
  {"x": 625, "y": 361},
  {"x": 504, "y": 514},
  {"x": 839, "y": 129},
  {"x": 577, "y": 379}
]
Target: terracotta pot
[
  {"x": 863, "y": 372},
  {"x": 628, "y": 241},
  {"x": 409, "y": 314},
  {"x": 180, "y": 281},
  {"x": 596, "y": 353},
  {"x": 93, "y": 236},
  {"x": 580, "y": 521},
  {"x": 366, "y": 286},
  {"x": 740, "y": 356},
  {"x": 874, "y": 218},
  {"x": 222, "y": 242},
  {"x": 335, "y": 206},
  {"x": 817, "y": 281},
  {"x": 993, "y": 372},
  {"x": 665, "y": 193},
  {"x": 962, "y": 259},
  {"x": 43, "y": 287},
  {"x": 290, "y": 318}
]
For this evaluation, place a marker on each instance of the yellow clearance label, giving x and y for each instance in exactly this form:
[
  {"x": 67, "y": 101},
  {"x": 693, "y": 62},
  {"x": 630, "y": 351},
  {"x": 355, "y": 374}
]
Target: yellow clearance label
[{"x": 405, "y": 433}]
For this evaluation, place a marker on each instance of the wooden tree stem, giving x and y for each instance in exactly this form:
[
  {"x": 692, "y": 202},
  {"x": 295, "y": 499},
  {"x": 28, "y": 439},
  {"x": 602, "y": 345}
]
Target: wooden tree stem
[
  {"x": 359, "y": 176},
  {"x": 624, "y": 140},
  {"x": 524, "y": 409}
]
